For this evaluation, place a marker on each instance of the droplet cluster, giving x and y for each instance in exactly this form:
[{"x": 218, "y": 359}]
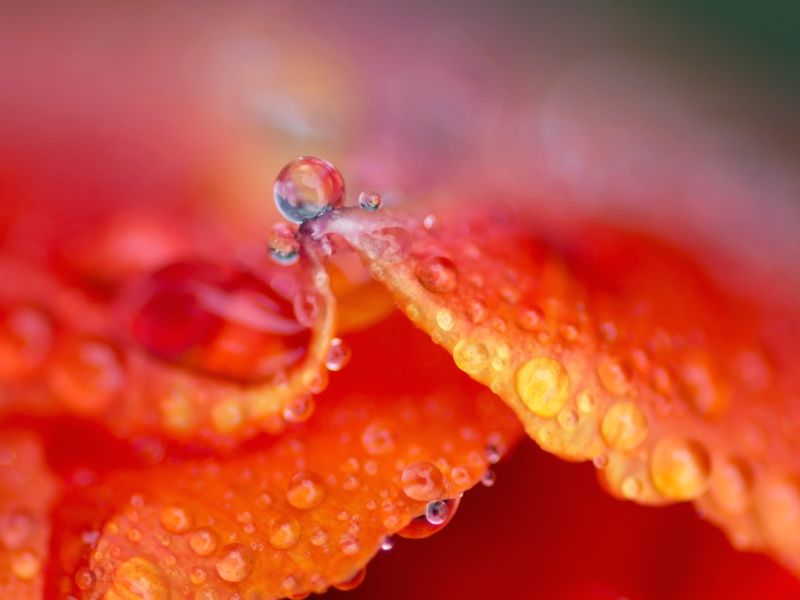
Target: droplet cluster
[
  {"x": 667, "y": 414},
  {"x": 286, "y": 518}
]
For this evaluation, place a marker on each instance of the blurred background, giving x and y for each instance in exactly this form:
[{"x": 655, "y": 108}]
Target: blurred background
[{"x": 680, "y": 117}]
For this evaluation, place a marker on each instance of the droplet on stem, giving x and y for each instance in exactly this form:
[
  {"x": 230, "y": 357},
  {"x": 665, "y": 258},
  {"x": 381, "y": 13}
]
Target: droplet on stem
[{"x": 308, "y": 187}]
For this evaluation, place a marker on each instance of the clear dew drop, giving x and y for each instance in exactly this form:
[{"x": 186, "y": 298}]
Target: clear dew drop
[
  {"x": 339, "y": 355},
  {"x": 308, "y": 187},
  {"x": 488, "y": 478},
  {"x": 283, "y": 245},
  {"x": 422, "y": 481},
  {"x": 436, "y": 512},
  {"x": 235, "y": 563},
  {"x": 731, "y": 481},
  {"x": 198, "y": 575},
  {"x": 437, "y": 274},
  {"x": 387, "y": 544},
  {"x": 493, "y": 454},
  {"x": 369, "y": 200},
  {"x": 306, "y": 491},
  {"x": 437, "y": 515}
]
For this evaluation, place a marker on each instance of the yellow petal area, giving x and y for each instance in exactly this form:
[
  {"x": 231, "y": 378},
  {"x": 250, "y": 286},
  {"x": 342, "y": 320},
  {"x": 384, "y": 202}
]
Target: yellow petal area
[{"x": 612, "y": 347}]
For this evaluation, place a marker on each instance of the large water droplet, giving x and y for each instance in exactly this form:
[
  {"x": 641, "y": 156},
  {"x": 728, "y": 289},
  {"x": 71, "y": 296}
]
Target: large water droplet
[
  {"x": 422, "y": 481},
  {"x": 437, "y": 274},
  {"x": 680, "y": 468},
  {"x": 235, "y": 563},
  {"x": 308, "y": 187},
  {"x": 218, "y": 319},
  {"x": 543, "y": 386}
]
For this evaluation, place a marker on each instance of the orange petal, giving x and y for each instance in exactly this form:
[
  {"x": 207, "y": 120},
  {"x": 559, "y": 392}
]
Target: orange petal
[
  {"x": 305, "y": 511},
  {"x": 612, "y": 347},
  {"x": 27, "y": 491}
]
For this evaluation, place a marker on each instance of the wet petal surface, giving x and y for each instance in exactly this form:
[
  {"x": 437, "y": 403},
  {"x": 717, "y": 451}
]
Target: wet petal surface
[
  {"x": 612, "y": 347},
  {"x": 294, "y": 515}
]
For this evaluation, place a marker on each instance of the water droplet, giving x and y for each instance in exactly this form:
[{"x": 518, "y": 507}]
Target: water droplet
[
  {"x": 543, "y": 386},
  {"x": 631, "y": 487},
  {"x": 87, "y": 374},
  {"x": 15, "y": 527},
  {"x": 476, "y": 310},
  {"x": 308, "y": 187},
  {"x": 25, "y": 564},
  {"x": 387, "y": 544},
  {"x": 430, "y": 221},
  {"x": 731, "y": 481},
  {"x": 198, "y": 575},
  {"x": 318, "y": 537},
  {"x": 284, "y": 533},
  {"x": 353, "y": 582},
  {"x": 138, "y": 574},
  {"x": 471, "y": 356},
  {"x": 437, "y": 274},
  {"x": 176, "y": 519},
  {"x": 444, "y": 319},
  {"x": 614, "y": 375},
  {"x": 377, "y": 438},
  {"x": 338, "y": 355},
  {"x": 283, "y": 245},
  {"x": 680, "y": 468},
  {"x": 299, "y": 410},
  {"x": 204, "y": 541},
  {"x": 493, "y": 454},
  {"x": 422, "y": 481},
  {"x": 235, "y": 563},
  {"x": 778, "y": 503},
  {"x": 370, "y": 200},
  {"x": 84, "y": 578},
  {"x": 530, "y": 319},
  {"x": 585, "y": 402},
  {"x": 421, "y": 527},
  {"x": 703, "y": 389},
  {"x": 305, "y": 491},
  {"x": 568, "y": 419},
  {"x": 436, "y": 512},
  {"x": 624, "y": 426},
  {"x": 488, "y": 478}
]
